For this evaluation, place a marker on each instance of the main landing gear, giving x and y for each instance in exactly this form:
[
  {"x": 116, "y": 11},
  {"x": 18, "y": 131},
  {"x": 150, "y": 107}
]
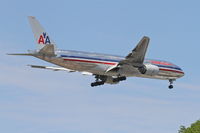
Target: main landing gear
[
  {"x": 100, "y": 80},
  {"x": 97, "y": 83},
  {"x": 171, "y": 83}
]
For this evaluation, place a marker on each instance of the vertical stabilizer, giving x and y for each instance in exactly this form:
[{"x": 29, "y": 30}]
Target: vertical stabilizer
[{"x": 41, "y": 36}]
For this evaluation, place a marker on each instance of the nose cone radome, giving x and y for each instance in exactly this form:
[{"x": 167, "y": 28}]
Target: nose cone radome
[{"x": 181, "y": 72}]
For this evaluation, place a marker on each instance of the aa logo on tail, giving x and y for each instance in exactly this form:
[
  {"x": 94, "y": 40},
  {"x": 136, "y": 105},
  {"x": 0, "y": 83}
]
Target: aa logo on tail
[{"x": 44, "y": 39}]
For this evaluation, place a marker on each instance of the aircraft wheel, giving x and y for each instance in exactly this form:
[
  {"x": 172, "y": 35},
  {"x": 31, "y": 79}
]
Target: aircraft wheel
[
  {"x": 170, "y": 86},
  {"x": 93, "y": 84},
  {"x": 97, "y": 83}
]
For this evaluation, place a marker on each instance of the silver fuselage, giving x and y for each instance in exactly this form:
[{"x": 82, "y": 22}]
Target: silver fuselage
[{"x": 98, "y": 64}]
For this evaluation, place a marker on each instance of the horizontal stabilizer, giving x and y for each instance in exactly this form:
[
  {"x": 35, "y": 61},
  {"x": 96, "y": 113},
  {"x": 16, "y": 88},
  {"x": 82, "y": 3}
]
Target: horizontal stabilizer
[{"x": 23, "y": 54}]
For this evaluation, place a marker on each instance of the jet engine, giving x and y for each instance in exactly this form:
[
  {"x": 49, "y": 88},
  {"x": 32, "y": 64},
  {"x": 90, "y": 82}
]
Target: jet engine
[{"x": 149, "y": 69}]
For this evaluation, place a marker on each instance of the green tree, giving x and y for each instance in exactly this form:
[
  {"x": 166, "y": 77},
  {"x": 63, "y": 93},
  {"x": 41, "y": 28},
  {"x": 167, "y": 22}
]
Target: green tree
[
  {"x": 194, "y": 128},
  {"x": 182, "y": 129}
]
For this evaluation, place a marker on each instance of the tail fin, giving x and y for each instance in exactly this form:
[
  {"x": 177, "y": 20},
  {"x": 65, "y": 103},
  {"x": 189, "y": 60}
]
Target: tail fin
[{"x": 41, "y": 36}]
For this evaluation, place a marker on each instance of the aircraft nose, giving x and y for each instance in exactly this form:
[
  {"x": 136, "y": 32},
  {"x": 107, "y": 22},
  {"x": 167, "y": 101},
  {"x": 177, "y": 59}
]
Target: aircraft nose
[{"x": 182, "y": 73}]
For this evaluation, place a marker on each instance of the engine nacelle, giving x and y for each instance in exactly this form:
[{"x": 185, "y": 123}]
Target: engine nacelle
[{"x": 149, "y": 69}]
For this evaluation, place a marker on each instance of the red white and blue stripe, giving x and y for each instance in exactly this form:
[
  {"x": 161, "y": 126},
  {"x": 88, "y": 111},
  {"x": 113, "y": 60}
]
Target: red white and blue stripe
[{"x": 163, "y": 65}]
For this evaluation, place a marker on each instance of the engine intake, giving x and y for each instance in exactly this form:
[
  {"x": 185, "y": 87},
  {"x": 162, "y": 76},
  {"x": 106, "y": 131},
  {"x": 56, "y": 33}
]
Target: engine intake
[{"x": 149, "y": 69}]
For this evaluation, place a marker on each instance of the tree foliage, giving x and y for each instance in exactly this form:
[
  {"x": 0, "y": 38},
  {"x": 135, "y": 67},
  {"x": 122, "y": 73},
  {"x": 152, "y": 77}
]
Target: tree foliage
[{"x": 194, "y": 128}]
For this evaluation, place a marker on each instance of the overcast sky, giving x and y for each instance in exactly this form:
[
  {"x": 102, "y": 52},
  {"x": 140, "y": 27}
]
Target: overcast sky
[{"x": 42, "y": 101}]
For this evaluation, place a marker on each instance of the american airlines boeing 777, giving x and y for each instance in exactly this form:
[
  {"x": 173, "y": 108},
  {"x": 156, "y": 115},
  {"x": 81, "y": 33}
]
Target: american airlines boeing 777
[{"x": 104, "y": 67}]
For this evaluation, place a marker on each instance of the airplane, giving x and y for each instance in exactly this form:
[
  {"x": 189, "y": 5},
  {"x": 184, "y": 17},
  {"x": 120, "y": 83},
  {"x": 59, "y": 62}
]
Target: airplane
[{"x": 105, "y": 68}]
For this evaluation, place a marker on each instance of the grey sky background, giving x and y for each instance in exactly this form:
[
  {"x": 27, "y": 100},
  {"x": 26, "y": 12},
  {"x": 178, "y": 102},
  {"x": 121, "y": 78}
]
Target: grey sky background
[{"x": 43, "y": 101}]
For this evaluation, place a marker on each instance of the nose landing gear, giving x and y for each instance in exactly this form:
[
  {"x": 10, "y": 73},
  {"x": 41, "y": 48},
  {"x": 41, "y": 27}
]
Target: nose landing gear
[
  {"x": 171, "y": 86},
  {"x": 171, "y": 83}
]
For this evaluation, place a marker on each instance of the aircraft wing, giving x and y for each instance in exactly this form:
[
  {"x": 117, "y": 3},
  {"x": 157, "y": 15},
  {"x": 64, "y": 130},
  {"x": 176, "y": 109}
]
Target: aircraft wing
[
  {"x": 52, "y": 68},
  {"x": 136, "y": 57},
  {"x": 59, "y": 69}
]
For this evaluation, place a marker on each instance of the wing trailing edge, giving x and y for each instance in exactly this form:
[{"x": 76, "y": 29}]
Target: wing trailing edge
[
  {"x": 52, "y": 68},
  {"x": 59, "y": 69}
]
